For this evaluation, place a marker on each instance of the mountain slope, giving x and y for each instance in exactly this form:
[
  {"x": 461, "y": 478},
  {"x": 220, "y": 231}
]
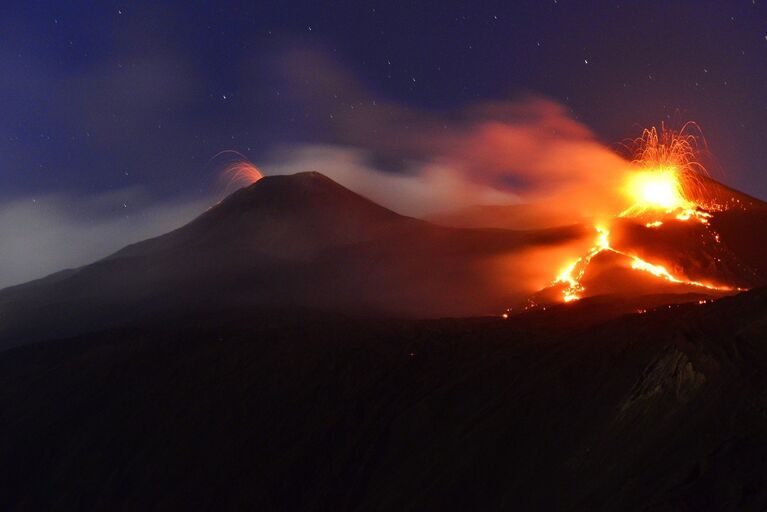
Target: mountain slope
[
  {"x": 288, "y": 217},
  {"x": 266, "y": 410},
  {"x": 305, "y": 241},
  {"x": 291, "y": 241},
  {"x": 716, "y": 247}
]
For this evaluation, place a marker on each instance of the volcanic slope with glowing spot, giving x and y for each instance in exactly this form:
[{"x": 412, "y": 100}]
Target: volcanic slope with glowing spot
[
  {"x": 669, "y": 238},
  {"x": 300, "y": 242}
]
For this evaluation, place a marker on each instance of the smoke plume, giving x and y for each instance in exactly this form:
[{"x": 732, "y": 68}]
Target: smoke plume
[{"x": 524, "y": 150}]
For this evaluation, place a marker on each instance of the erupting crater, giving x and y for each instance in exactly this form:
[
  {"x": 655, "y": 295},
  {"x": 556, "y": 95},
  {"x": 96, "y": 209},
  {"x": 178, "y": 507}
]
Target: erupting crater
[{"x": 663, "y": 240}]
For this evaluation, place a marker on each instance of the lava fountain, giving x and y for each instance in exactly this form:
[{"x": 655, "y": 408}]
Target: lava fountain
[
  {"x": 242, "y": 173},
  {"x": 667, "y": 174},
  {"x": 665, "y": 179}
]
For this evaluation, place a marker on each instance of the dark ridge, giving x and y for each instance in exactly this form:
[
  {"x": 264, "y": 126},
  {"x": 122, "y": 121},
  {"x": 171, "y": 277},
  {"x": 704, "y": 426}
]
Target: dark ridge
[
  {"x": 289, "y": 410},
  {"x": 716, "y": 193}
]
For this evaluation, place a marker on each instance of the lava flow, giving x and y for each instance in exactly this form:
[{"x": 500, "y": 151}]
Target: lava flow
[
  {"x": 572, "y": 275},
  {"x": 667, "y": 177}
]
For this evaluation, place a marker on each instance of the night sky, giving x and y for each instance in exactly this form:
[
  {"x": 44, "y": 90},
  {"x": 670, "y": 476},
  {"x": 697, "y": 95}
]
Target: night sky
[{"x": 100, "y": 98}]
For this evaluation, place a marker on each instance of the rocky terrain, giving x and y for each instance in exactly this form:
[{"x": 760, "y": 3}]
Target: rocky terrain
[
  {"x": 554, "y": 410},
  {"x": 291, "y": 349}
]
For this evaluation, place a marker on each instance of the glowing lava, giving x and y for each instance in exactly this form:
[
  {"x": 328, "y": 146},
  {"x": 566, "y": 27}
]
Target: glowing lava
[
  {"x": 658, "y": 188},
  {"x": 243, "y": 173},
  {"x": 667, "y": 175},
  {"x": 572, "y": 275}
]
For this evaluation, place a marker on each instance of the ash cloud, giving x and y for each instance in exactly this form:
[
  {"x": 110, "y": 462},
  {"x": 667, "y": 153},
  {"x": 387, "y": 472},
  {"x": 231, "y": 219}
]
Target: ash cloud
[
  {"x": 525, "y": 150},
  {"x": 421, "y": 188}
]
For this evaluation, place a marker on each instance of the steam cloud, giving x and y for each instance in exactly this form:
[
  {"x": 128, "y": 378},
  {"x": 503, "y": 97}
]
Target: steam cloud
[
  {"x": 502, "y": 152},
  {"x": 42, "y": 235}
]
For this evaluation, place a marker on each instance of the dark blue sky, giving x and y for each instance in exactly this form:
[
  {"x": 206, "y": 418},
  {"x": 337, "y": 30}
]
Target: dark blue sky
[{"x": 106, "y": 95}]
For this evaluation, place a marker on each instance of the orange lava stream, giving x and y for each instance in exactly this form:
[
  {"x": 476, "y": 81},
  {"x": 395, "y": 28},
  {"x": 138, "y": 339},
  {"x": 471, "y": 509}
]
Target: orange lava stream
[{"x": 572, "y": 275}]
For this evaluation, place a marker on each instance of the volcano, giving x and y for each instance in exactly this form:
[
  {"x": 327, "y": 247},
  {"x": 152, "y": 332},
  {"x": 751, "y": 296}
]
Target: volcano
[
  {"x": 295, "y": 241},
  {"x": 707, "y": 250},
  {"x": 304, "y": 241},
  {"x": 266, "y": 354}
]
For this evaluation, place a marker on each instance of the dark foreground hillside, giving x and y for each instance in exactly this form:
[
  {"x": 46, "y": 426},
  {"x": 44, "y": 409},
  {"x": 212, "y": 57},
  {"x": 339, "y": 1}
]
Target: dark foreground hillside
[{"x": 299, "y": 411}]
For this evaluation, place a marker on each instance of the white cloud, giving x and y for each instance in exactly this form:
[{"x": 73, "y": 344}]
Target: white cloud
[
  {"x": 423, "y": 188},
  {"x": 42, "y": 235}
]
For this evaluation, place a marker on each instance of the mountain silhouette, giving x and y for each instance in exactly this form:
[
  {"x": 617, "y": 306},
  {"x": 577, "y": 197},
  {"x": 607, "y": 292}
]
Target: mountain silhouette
[
  {"x": 265, "y": 356},
  {"x": 304, "y": 241},
  {"x": 267, "y": 410},
  {"x": 299, "y": 240}
]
